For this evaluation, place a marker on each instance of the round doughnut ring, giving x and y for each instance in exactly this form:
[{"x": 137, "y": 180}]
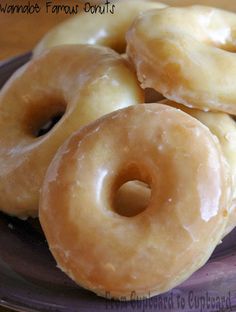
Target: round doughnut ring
[
  {"x": 185, "y": 54},
  {"x": 101, "y": 29},
  {"x": 115, "y": 255},
  {"x": 223, "y": 126},
  {"x": 80, "y": 82}
]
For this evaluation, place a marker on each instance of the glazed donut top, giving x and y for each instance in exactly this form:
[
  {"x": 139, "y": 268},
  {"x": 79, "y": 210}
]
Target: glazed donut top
[
  {"x": 158, "y": 248},
  {"x": 224, "y": 128},
  {"x": 185, "y": 54},
  {"x": 79, "y": 82},
  {"x": 108, "y": 30}
]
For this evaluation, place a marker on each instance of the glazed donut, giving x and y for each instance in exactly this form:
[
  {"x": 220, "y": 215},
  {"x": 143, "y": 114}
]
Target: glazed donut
[
  {"x": 157, "y": 249},
  {"x": 80, "y": 82},
  {"x": 185, "y": 54},
  {"x": 224, "y": 128},
  {"x": 102, "y": 29}
]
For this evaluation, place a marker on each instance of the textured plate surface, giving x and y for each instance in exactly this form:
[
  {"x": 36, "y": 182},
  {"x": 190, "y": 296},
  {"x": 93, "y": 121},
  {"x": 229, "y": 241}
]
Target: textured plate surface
[{"x": 30, "y": 280}]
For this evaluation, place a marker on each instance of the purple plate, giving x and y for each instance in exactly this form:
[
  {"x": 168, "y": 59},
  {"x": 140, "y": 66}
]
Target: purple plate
[{"x": 30, "y": 280}]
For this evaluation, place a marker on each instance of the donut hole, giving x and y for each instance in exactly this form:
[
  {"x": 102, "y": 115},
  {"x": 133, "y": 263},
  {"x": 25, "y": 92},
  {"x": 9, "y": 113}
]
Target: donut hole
[
  {"x": 41, "y": 119},
  {"x": 48, "y": 125},
  {"x": 132, "y": 198}
]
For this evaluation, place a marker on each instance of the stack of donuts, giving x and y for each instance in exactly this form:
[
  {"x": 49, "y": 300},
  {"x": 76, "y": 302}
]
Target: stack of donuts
[{"x": 132, "y": 196}]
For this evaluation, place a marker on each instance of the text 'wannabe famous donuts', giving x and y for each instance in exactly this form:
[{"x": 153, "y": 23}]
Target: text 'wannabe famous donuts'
[
  {"x": 157, "y": 249},
  {"x": 186, "y": 55},
  {"x": 76, "y": 84}
]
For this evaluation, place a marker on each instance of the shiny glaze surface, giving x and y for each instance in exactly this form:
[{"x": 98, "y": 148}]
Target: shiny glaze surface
[
  {"x": 81, "y": 82},
  {"x": 186, "y": 55},
  {"x": 159, "y": 248},
  {"x": 102, "y": 29},
  {"x": 224, "y": 128}
]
